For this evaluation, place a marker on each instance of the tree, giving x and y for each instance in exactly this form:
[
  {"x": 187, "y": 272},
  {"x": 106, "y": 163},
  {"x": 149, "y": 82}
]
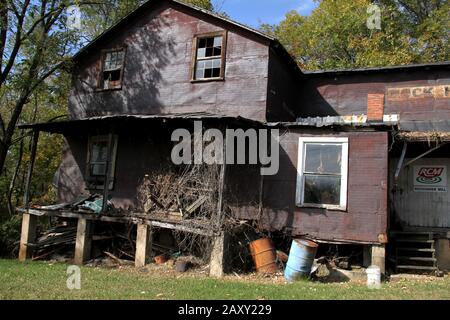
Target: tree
[
  {"x": 35, "y": 56},
  {"x": 205, "y": 4},
  {"x": 100, "y": 15},
  {"x": 336, "y": 34},
  {"x": 34, "y": 45}
]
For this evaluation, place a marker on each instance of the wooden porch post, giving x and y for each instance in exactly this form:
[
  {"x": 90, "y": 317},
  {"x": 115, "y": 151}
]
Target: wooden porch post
[
  {"x": 83, "y": 241},
  {"x": 29, "y": 222},
  {"x": 143, "y": 245},
  {"x": 217, "y": 263},
  {"x": 379, "y": 257},
  {"x": 217, "y": 260}
]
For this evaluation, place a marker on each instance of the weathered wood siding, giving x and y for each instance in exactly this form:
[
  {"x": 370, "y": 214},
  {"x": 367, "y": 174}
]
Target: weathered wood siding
[
  {"x": 141, "y": 150},
  {"x": 158, "y": 70},
  {"x": 346, "y": 94},
  {"x": 367, "y": 214},
  {"x": 420, "y": 209}
]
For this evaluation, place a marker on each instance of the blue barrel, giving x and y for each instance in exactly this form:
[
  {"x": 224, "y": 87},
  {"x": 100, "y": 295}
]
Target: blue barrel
[{"x": 301, "y": 259}]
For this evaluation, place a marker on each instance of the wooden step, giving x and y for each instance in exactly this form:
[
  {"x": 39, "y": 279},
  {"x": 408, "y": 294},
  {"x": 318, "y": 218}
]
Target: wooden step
[
  {"x": 406, "y": 267},
  {"x": 409, "y": 233},
  {"x": 425, "y": 259},
  {"x": 416, "y": 249},
  {"x": 415, "y": 240}
]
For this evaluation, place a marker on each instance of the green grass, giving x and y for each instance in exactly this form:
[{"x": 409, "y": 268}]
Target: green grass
[{"x": 40, "y": 280}]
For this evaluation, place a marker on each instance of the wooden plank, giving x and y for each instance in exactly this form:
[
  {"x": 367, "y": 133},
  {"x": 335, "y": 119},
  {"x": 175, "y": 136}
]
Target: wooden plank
[
  {"x": 125, "y": 219},
  {"x": 83, "y": 241},
  {"x": 28, "y": 236},
  {"x": 173, "y": 226}
]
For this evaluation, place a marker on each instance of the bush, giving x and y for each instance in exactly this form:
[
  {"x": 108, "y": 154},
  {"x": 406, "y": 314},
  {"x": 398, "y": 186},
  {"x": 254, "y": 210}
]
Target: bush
[{"x": 10, "y": 235}]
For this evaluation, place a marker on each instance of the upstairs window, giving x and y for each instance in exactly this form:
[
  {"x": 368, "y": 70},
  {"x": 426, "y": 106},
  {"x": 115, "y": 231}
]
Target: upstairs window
[
  {"x": 322, "y": 173},
  {"x": 112, "y": 69},
  {"x": 98, "y": 162},
  {"x": 209, "y": 62}
]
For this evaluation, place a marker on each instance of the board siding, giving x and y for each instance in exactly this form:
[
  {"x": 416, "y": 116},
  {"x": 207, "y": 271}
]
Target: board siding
[
  {"x": 343, "y": 95},
  {"x": 366, "y": 216}
]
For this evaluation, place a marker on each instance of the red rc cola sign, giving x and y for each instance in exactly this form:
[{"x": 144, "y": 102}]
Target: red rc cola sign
[{"x": 430, "y": 178}]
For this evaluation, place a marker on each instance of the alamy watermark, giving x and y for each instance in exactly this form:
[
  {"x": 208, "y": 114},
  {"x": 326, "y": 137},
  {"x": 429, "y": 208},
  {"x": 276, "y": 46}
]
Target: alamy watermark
[
  {"x": 208, "y": 147},
  {"x": 73, "y": 17},
  {"x": 73, "y": 278},
  {"x": 374, "y": 19}
]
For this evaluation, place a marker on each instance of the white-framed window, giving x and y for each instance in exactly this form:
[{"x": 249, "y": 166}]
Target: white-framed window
[{"x": 322, "y": 173}]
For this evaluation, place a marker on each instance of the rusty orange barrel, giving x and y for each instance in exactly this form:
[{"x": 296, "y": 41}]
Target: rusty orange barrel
[
  {"x": 264, "y": 255},
  {"x": 161, "y": 259}
]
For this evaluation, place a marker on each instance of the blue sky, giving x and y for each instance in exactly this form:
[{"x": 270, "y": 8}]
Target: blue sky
[{"x": 255, "y": 12}]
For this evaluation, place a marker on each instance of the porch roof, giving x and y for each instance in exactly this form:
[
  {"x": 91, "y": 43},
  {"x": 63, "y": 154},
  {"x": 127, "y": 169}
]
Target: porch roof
[
  {"x": 77, "y": 124},
  {"x": 424, "y": 130}
]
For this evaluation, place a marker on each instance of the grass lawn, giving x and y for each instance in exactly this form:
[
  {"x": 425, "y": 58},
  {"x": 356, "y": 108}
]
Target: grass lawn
[{"x": 43, "y": 280}]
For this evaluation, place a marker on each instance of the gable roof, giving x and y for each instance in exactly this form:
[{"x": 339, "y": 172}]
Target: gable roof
[{"x": 273, "y": 42}]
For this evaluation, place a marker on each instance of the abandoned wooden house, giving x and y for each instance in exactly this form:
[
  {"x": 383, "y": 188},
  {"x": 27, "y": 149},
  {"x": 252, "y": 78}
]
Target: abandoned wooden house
[{"x": 363, "y": 154}]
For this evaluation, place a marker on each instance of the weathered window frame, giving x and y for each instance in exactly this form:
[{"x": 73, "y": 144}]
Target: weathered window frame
[
  {"x": 197, "y": 38},
  {"x": 100, "y": 79},
  {"x": 344, "y": 142},
  {"x": 91, "y": 182}
]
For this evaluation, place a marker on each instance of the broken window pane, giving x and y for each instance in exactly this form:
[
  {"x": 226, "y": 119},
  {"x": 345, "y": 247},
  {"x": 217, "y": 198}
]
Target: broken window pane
[
  {"x": 208, "y": 49},
  {"x": 113, "y": 61},
  {"x": 112, "y": 69},
  {"x": 323, "y": 158},
  {"x": 320, "y": 189}
]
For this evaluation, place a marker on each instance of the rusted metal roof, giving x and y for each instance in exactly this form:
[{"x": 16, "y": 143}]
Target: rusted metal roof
[
  {"x": 353, "y": 120},
  {"x": 425, "y": 125},
  {"x": 409, "y": 67},
  {"x": 62, "y": 126}
]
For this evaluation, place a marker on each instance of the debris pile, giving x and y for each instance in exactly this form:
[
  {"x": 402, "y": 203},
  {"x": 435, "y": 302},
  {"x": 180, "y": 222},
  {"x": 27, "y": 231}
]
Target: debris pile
[
  {"x": 191, "y": 191},
  {"x": 84, "y": 204},
  {"x": 56, "y": 240}
]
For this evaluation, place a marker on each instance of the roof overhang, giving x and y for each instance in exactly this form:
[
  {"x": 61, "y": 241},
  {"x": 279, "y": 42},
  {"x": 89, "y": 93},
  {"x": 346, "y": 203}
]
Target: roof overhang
[{"x": 119, "y": 120}]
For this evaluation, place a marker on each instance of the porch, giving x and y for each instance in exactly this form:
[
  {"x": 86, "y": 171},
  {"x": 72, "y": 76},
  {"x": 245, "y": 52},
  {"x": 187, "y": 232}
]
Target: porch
[
  {"x": 119, "y": 190},
  {"x": 420, "y": 219}
]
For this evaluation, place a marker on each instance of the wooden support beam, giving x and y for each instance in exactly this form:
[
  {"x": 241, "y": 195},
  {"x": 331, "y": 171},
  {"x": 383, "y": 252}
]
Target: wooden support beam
[
  {"x": 400, "y": 163},
  {"x": 379, "y": 257},
  {"x": 27, "y": 196},
  {"x": 222, "y": 178},
  {"x": 143, "y": 245},
  {"x": 29, "y": 223},
  {"x": 107, "y": 180},
  {"x": 217, "y": 261},
  {"x": 367, "y": 256},
  {"x": 83, "y": 241},
  {"x": 425, "y": 153}
]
